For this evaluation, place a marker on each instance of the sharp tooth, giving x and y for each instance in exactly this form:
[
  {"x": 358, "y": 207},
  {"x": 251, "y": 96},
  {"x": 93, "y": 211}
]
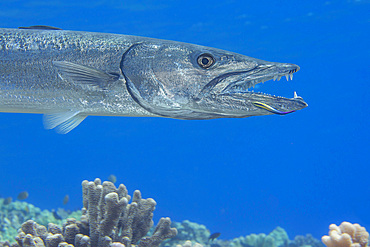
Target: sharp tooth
[
  {"x": 296, "y": 96},
  {"x": 291, "y": 76},
  {"x": 287, "y": 77},
  {"x": 279, "y": 77},
  {"x": 275, "y": 77}
]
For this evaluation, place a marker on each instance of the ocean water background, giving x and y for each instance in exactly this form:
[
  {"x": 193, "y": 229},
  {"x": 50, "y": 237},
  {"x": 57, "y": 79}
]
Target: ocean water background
[{"x": 302, "y": 171}]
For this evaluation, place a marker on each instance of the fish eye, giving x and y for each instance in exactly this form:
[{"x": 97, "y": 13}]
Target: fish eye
[{"x": 205, "y": 60}]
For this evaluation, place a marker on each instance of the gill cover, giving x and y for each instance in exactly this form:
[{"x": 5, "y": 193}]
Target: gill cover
[{"x": 164, "y": 78}]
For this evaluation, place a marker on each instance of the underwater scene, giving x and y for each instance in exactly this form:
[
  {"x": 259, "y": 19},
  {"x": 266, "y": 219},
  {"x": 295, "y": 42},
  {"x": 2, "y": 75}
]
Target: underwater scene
[{"x": 180, "y": 123}]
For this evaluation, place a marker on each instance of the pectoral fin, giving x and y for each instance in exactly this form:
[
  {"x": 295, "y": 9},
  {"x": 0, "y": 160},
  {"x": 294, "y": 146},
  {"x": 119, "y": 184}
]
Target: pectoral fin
[
  {"x": 85, "y": 75},
  {"x": 63, "y": 122}
]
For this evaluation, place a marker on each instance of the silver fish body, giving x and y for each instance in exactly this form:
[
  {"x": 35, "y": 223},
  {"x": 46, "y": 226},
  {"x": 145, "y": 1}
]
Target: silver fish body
[
  {"x": 30, "y": 82},
  {"x": 68, "y": 75}
]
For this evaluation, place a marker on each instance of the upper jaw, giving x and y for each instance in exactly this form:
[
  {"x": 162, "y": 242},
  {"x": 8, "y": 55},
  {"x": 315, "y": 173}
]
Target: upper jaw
[{"x": 240, "y": 82}]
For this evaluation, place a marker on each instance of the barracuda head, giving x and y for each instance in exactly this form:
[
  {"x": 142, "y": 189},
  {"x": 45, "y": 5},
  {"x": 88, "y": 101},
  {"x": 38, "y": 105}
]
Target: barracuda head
[{"x": 187, "y": 81}]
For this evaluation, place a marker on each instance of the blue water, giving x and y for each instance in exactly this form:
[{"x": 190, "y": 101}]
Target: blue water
[{"x": 302, "y": 171}]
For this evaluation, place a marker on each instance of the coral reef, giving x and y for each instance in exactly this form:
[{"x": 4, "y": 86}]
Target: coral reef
[
  {"x": 278, "y": 237},
  {"x": 107, "y": 220},
  {"x": 200, "y": 234},
  {"x": 188, "y": 230},
  {"x": 305, "y": 241},
  {"x": 13, "y": 214},
  {"x": 188, "y": 243},
  {"x": 346, "y": 235}
]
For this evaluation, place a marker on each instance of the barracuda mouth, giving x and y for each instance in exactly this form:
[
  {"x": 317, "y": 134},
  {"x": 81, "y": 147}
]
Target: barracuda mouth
[
  {"x": 243, "y": 81},
  {"x": 248, "y": 81}
]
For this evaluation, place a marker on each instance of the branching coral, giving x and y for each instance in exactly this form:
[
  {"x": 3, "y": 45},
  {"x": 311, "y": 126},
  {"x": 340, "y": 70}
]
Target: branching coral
[
  {"x": 108, "y": 220},
  {"x": 346, "y": 235}
]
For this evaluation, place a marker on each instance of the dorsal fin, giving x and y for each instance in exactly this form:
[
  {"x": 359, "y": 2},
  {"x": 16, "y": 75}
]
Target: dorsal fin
[{"x": 41, "y": 27}]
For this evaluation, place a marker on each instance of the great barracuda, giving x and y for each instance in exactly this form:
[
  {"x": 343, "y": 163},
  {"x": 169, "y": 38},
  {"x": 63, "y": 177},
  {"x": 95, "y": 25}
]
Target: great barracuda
[{"x": 69, "y": 75}]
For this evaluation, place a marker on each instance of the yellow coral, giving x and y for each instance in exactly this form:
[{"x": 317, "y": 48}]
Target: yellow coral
[{"x": 346, "y": 235}]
